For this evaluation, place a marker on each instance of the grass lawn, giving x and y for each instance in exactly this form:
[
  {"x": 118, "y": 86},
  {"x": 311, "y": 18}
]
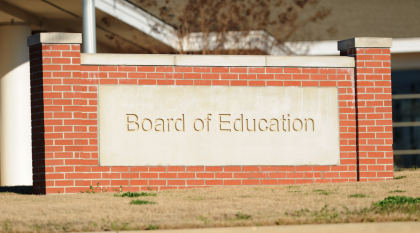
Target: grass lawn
[{"x": 214, "y": 207}]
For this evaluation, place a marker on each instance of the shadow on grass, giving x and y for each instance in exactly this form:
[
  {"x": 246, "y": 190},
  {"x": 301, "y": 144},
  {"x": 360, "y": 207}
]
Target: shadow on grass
[{"x": 16, "y": 189}]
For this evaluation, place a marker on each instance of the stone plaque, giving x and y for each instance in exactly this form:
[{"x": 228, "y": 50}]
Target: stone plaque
[{"x": 212, "y": 125}]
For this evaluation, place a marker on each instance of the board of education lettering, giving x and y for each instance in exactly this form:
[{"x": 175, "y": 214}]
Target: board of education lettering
[
  {"x": 224, "y": 123},
  {"x": 193, "y": 125}
]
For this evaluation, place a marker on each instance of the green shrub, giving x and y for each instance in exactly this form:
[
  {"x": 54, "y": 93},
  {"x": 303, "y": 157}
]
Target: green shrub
[
  {"x": 397, "y": 200},
  {"x": 399, "y": 177}
]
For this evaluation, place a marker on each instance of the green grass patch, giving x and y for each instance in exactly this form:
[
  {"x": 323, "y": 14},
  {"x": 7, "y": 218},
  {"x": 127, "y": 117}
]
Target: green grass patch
[
  {"x": 367, "y": 214},
  {"x": 204, "y": 219},
  {"x": 397, "y": 191},
  {"x": 198, "y": 198},
  {"x": 242, "y": 216},
  {"x": 357, "y": 195},
  {"x": 134, "y": 194},
  {"x": 413, "y": 168},
  {"x": 152, "y": 227},
  {"x": 400, "y": 177},
  {"x": 397, "y": 200},
  {"x": 322, "y": 192},
  {"x": 141, "y": 202}
]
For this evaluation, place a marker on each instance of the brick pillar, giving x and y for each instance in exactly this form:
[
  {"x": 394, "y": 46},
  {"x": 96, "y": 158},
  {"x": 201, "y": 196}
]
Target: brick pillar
[
  {"x": 55, "y": 114},
  {"x": 373, "y": 105}
]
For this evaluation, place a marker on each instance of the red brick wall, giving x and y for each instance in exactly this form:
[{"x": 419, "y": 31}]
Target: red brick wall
[
  {"x": 65, "y": 139},
  {"x": 374, "y": 112},
  {"x": 57, "y": 116}
]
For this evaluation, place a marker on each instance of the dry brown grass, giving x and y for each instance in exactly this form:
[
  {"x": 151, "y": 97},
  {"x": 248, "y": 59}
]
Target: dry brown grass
[{"x": 210, "y": 207}]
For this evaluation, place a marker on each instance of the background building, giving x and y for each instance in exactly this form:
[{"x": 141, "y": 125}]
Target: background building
[{"x": 137, "y": 27}]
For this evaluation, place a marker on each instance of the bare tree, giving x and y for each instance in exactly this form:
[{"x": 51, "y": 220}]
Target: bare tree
[{"x": 236, "y": 26}]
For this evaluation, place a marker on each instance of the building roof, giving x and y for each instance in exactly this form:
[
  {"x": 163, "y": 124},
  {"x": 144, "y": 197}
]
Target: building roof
[{"x": 113, "y": 35}]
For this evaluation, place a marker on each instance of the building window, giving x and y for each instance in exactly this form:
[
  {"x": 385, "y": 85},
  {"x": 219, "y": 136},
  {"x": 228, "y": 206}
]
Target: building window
[{"x": 406, "y": 117}]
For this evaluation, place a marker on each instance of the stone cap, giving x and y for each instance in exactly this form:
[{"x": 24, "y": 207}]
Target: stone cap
[
  {"x": 54, "y": 38},
  {"x": 365, "y": 42},
  {"x": 215, "y": 60}
]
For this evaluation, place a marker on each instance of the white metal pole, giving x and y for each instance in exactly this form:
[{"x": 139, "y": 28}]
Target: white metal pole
[{"x": 89, "y": 26}]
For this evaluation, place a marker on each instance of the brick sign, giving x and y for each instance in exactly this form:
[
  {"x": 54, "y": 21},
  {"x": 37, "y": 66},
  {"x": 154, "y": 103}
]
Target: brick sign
[{"x": 172, "y": 122}]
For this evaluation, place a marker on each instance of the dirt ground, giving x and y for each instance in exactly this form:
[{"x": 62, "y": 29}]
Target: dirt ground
[{"x": 210, "y": 207}]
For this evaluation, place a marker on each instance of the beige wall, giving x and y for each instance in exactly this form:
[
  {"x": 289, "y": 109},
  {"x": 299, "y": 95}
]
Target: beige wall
[{"x": 405, "y": 61}]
